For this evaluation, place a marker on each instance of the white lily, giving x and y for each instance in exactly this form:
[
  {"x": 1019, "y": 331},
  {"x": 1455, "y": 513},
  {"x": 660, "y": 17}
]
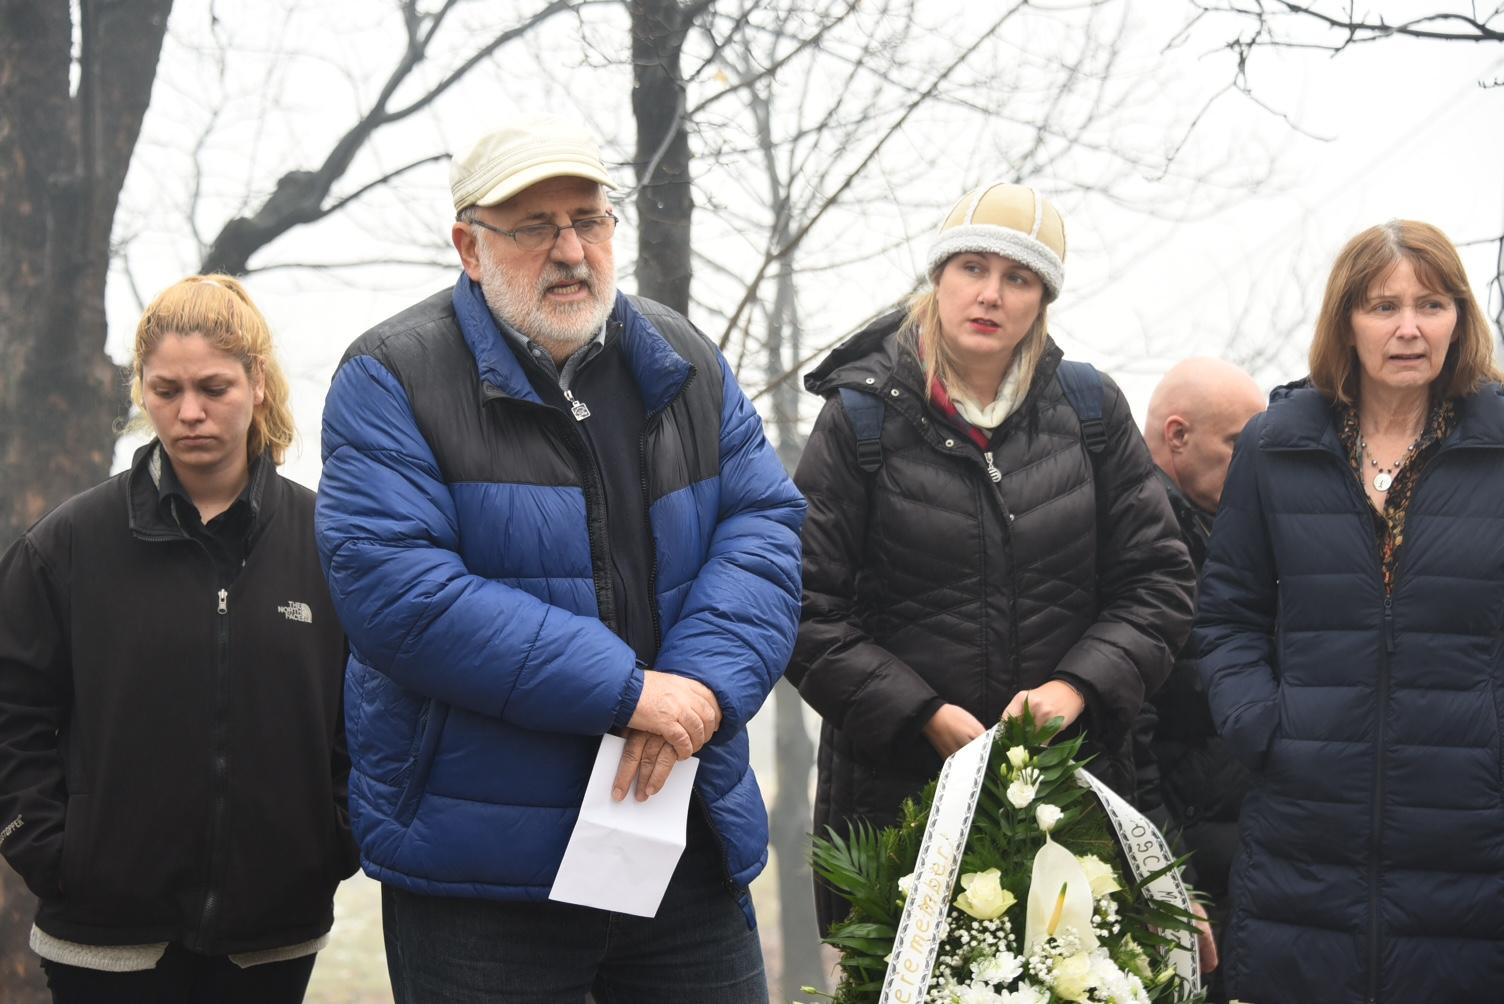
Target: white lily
[{"x": 1059, "y": 898}]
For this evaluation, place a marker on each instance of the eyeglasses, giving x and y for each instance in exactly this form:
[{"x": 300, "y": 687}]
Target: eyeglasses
[{"x": 537, "y": 236}]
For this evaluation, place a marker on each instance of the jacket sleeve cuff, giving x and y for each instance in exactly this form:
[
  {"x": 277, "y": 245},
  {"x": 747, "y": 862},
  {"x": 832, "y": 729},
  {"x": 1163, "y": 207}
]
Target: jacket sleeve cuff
[
  {"x": 630, "y": 695},
  {"x": 915, "y": 727},
  {"x": 1093, "y": 714}
]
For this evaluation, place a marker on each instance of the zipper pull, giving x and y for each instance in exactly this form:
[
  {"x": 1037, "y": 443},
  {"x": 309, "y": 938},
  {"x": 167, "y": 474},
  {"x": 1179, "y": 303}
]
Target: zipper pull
[
  {"x": 1389, "y": 623},
  {"x": 577, "y": 408},
  {"x": 992, "y": 472},
  {"x": 224, "y": 601}
]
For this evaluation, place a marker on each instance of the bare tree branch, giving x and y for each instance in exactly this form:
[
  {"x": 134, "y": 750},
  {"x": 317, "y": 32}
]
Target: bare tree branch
[
  {"x": 778, "y": 253},
  {"x": 301, "y": 196}
]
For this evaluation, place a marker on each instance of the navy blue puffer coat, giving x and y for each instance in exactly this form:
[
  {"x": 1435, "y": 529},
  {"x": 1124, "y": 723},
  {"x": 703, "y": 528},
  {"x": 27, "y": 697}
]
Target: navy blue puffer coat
[{"x": 1371, "y": 859}]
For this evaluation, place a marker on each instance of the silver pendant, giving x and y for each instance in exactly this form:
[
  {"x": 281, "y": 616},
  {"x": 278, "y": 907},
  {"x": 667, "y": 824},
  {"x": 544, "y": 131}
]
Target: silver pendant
[{"x": 1382, "y": 481}]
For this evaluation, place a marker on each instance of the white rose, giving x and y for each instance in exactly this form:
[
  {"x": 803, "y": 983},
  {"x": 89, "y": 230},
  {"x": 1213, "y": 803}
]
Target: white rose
[
  {"x": 1018, "y": 757},
  {"x": 906, "y": 885},
  {"x": 1047, "y": 816},
  {"x": 1020, "y": 793},
  {"x": 1100, "y": 874},
  {"x": 1073, "y": 977},
  {"x": 984, "y": 898}
]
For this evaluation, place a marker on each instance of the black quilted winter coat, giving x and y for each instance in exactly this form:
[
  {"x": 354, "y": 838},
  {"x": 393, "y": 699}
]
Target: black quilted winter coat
[
  {"x": 926, "y": 583},
  {"x": 1371, "y": 859}
]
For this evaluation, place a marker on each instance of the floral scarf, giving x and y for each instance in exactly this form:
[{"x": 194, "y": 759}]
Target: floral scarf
[{"x": 1389, "y": 525}]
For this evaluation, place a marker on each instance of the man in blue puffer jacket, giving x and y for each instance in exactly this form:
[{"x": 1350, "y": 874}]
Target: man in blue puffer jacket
[{"x": 547, "y": 513}]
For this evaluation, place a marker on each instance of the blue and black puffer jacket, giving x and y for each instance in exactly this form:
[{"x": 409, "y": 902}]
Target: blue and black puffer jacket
[
  {"x": 1371, "y": 860},
  {"x": 462, "y": 530}
]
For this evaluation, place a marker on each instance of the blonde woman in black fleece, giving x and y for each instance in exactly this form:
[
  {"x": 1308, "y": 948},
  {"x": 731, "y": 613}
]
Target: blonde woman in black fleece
[{"x": 172, "y": 763}]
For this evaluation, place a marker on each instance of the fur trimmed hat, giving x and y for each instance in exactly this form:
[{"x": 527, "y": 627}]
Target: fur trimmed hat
[{"x": 1014, "y": 221}]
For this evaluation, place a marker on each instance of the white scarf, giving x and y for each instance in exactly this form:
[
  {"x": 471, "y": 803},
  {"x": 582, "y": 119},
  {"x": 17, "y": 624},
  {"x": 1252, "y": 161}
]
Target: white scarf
[{"x": 1010, "y": 394}]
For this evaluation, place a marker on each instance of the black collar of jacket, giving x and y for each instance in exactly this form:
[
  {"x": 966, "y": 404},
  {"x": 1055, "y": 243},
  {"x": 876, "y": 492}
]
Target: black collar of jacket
[
  {"x": 1195, "y": 522},
  {"x": 151, "y": 520},
  {"x": 1300, "y": 418}
]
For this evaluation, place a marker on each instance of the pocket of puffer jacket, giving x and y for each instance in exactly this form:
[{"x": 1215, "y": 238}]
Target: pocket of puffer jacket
[{"x": 430, "y": 729}]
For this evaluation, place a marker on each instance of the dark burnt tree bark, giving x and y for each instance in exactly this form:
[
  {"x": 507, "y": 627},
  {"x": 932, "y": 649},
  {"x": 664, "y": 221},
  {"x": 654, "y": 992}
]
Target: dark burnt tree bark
[
  {"x": 63, "y": 158},
  {"x": 665, "y": 200}
]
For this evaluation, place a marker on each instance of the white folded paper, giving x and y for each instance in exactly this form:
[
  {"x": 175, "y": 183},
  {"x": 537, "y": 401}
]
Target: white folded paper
[{"x": 621, "y": 855}]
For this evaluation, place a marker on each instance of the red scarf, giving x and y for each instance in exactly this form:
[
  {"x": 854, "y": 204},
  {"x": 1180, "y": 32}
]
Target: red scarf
[{"x": 948, "y": 408}]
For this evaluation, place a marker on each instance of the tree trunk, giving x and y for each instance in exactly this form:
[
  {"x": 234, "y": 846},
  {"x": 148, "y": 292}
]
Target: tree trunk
[
  {"x": 63, "y": 159},
  {"x": 665, "y": 202},
  {"x": 796, "y": 755},
  {"x": 790, "y": 830}
]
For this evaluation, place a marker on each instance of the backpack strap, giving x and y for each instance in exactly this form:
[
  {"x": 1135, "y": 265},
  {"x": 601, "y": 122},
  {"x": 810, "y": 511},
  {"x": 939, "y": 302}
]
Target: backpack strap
[
  {"x": 1082, "y": 385},
  {"x": 865, "y": 412}
]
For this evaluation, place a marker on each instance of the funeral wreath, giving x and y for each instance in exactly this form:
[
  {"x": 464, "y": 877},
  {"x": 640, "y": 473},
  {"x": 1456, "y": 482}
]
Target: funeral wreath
[{"x": 1015, "y": 878}]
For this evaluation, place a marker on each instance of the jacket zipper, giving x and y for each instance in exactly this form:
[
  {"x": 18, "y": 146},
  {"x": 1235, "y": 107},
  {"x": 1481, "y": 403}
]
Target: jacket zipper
[
  {"x": 995, "y": 478},
  {"x": 992, "y": 472},
  {"x": 220, "y": 766},
  {"x": 1386, "y": 646},
  {"x": 595, "y": 497},
  {"x": 595, "y": 516},
  {"x": 218, "y": 756}
]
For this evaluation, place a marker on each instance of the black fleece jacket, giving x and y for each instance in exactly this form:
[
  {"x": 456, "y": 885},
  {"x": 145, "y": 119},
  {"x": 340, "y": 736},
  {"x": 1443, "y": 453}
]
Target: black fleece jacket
[{"x": 172, "y": 762}]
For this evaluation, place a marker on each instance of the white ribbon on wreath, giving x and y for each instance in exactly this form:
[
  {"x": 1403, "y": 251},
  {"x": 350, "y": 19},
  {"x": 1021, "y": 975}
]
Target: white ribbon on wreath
[{"x": 920, "y": 928}]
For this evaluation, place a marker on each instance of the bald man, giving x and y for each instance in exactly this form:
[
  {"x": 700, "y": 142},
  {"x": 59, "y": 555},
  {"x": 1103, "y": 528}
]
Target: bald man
[{"x": 1186, "y": 778}]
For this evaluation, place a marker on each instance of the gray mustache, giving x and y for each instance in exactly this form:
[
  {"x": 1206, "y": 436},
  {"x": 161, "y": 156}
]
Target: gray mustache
[{"x": 557, "y": 273}]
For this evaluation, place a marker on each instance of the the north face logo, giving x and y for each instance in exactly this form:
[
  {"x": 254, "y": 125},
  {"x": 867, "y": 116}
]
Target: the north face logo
[{"x": 295, "y": 611}]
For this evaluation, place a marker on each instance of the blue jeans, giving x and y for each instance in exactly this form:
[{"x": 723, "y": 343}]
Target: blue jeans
[{"x": 465, "y": 951}]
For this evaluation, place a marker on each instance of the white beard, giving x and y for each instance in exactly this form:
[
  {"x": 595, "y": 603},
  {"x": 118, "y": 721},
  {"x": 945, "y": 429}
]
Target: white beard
[{"x": 563, "y": 326}]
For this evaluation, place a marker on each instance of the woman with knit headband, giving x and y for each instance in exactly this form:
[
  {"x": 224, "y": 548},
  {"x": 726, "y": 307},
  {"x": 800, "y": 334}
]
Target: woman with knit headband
[
  {"x": 984, "y": 528},
  {"x": 172, "y": 759}
]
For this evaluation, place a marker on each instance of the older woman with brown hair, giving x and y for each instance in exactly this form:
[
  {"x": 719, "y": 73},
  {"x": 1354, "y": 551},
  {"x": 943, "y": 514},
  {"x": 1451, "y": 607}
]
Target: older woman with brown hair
[{"x": 1349, "y": 631}]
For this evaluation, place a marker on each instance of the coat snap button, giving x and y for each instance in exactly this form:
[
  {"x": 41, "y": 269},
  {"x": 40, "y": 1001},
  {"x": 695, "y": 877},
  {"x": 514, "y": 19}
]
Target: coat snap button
[
  {"x": 894, "y": 392},
  {"x": 950, "y": 442},
  {"x": 871, "y": 380}
]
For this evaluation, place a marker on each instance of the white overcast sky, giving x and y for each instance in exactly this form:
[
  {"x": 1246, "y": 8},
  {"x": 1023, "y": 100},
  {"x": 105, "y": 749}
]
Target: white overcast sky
[{"x": 1393, "y": 129}]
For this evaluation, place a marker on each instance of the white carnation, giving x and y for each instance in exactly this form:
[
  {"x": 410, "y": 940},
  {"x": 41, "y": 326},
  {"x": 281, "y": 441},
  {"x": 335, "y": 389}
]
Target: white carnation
[{"x": 1003, "y": 967}]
